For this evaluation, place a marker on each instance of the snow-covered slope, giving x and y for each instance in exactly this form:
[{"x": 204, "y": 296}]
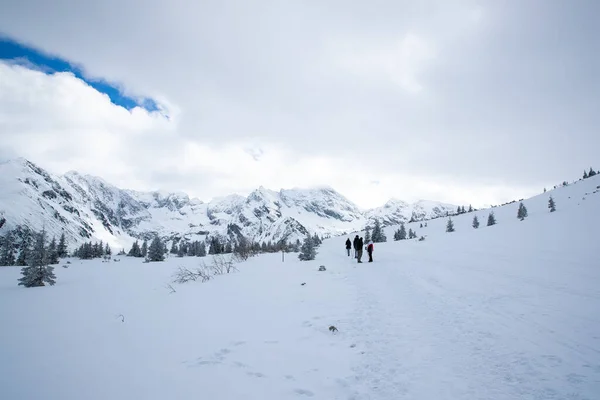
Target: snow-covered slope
[
  {"x": 502, "y": 312},
  {"x": 87, "y": 207}
]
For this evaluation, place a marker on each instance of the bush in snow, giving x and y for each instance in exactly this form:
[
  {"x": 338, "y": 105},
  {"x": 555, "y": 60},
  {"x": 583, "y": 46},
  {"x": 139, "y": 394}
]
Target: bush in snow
[
  {"x": 307, "y": 251},
  {"x": 551, "y": 204},
  {"x": 38, "y": 272},
  {"x": 475, "y": 222},
  {"x": 450, "y": 225},
  {"x": 522, "y": 212}
]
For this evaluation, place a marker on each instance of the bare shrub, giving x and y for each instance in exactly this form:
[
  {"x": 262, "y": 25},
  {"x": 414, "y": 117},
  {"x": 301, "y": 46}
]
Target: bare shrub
[
  {"x": 184, "y": 275},
  {"x": 222, "y": 265}
]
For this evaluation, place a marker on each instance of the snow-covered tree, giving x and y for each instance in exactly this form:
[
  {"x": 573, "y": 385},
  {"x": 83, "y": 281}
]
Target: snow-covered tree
[
  {"x": 52, "y": 252},
  {"x": 470, "y": 208},
  {"x": 7, "y": 255},
  {"x": 368, "y": 234},
  {"x": 25, "y": 248},
  {"x": 522, "y": 212},
  {"x": 591, "y": 173},
  {"x": 378, "y": 234},
  {"x": 400, "y": 234},
  {"x": 475, "y": 222},
  {"x": 491, "y": 219},
  {"x": 411, "y": 234},
  {"x": 174, "y": 249},
  {"x": 228, "y": 248},
  {"x": 450, "y": 225},
  {"x": 551, "y": 204},
  {"x": 156, "y": 251},
  {"x": 585, "y": 174},
  {"x": 62, "y": 246},
  {"x": 144, "y": 249},
  {"x": 107, "y": 250},
  {"x": 38, "y": 272},
  {"x": 135, "y": 251},
  {"x": 308, "y": 250},
  {"x": 317, "y": 241}
]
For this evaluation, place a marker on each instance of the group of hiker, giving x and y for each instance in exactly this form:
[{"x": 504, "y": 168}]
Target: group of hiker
[{"x": 358, "y": 244}]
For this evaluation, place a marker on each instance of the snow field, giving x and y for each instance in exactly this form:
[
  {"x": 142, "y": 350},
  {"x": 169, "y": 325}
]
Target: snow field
[{"x": 510, "y": 311}]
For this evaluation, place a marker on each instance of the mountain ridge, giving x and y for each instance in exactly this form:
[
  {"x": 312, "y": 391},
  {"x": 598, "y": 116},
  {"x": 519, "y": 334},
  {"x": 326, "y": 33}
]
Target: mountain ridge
[{"x": 86, "y": 207}]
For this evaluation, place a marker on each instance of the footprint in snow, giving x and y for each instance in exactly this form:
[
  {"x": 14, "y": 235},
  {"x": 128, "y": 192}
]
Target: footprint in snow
[
  {"x": 256, "y": 374},
  {"x": 304, "y": 392}
]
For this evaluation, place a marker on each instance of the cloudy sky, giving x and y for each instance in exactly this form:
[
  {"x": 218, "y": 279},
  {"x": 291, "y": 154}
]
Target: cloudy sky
[{"x": 459, "y": 101}]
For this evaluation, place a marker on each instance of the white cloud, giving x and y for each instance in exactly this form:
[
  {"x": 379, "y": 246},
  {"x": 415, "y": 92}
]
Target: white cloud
[
  {"x": 399, "y": 61},
  {"x": 441, "y": 99}
]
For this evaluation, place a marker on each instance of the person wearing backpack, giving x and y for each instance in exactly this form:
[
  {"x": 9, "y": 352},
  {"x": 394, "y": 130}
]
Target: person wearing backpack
[
  {"x": 359, "y": 248},
  {"x": 370, "y": 248}
]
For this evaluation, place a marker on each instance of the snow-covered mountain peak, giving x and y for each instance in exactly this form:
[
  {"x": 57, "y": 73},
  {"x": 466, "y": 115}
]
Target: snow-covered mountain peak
[{"x": 86, "y": 207}]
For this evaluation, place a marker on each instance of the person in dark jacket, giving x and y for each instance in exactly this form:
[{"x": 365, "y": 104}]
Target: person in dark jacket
[
  {"x": 348, "y": 246},
  {"x": 360, "y": 245},
  {"x": 356, "y": 246}
]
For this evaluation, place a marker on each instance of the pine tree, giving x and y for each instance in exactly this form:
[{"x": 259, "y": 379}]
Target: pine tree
[
  {"x": 402, "y": 232},
  {"x": 7, "y": 256},
  {"x": 585, "y": 174},
  {"x": 24, "y": 254},
  {"x": 522, "y": 212},
  {"x": 135, "y": 250},
  {"x": 551, "y": 204},
  {"x": 144, "y": 249},
  {"x": 62, "y": 246},
  {"x": 378, "y": 234},
  {"x": 317, "y": 240},
  {"x": 107, "y": 250},
  {"x": 156, "y": 250},
  {"x": 368, "y": 234},
  {"x": 411, "y": 234},
  {"x": 307, "y": 251},
  {"x": 470, "y": 208},
  {"x": 38, "y": 270},
  {"x": 174, "y": 249},
  {"x": 450, "y": 225},
  {"x": 491, "y": 219},
  {"x": 52, "y": 252},
  {"x": 228, "y": 248},
  {"x": 201, "y": 250},
  {"x": 591, "y": 173},
  {"x": 475, "y": 222}
]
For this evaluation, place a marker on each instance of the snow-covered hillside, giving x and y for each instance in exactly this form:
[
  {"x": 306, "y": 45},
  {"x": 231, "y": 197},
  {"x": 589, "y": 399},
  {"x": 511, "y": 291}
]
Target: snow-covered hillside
[
  {"x": 88, "y": 208},
  {"x": 502, "y": 312}
]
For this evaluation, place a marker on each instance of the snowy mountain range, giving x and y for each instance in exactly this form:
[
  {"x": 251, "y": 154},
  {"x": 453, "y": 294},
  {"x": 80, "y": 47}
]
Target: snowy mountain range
[{"x": 88, "y": 208}]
